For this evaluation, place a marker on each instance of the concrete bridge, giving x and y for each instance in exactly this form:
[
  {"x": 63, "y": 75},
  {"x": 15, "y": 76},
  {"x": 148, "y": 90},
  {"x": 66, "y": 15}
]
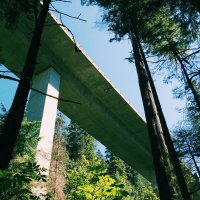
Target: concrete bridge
[{"x": 62, "y": 72}]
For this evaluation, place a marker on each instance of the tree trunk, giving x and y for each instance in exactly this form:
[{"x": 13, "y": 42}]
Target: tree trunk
[
  {"x": 189, "y": 82},
  {"x": 56, "y": 168},
  {"x": 57, "y": 178},
  {"x": 168, "y": 141},
  {"x": 193, "y": 159},
  {"x": 11, "y": 127},
  {"x": 150, "y": 112}
]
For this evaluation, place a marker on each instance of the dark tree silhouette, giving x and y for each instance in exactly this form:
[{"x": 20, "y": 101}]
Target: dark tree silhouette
[{"x": 10, "y": 130}]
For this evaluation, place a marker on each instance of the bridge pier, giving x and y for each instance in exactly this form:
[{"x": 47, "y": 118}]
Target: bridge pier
[
  {"x": 154, "y": 183},
  {"x": 44, "y": 108}
]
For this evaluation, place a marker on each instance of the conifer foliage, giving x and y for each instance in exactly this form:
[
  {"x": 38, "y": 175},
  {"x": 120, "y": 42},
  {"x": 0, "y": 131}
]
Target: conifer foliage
[
  {"x": 88, "y": 174},
  {"x": 174, "y": 40}
]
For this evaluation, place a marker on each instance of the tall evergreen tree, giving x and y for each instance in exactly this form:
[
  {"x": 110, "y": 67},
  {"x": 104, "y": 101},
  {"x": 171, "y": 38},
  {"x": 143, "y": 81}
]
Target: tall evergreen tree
[
  {"x": 172, "y": 44},
  {"x": 136, "y": 185},
  {"x": 116, "y": 167},
  {"x": 79, "y": 143},
  {"x": 123, "y": 18}
]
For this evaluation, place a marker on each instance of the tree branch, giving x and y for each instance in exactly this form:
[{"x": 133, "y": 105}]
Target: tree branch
[
  {"x": 10, "y": 71},
  {"x": 60, "y": 99},
  {"x": 57, "y": 11}
]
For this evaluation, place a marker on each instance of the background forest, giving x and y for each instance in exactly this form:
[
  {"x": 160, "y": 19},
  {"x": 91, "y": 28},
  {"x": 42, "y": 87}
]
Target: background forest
[{"x": 78, "y": 170}]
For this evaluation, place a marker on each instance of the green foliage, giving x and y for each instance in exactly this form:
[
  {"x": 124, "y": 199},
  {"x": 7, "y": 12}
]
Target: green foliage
[
  {"x": 11, "y": 10},
  {"x": 27, "y": 140},
  {"x": 185, "y": 12},
  {"x": 163, "y": 27},
  {"x": 143, "y": 190},
  {"x": 87, "y": 174},
  {"x": 15, "y": 183},
  {"x": 132, "y": 175},
  {"x": 168, "y": 31},
  {"x": 186, "y": 139},
  {"x": 116, "y": 167},
  {"x": 79, "y": 143},
  {"x": 89, "y": 180},
  {"x": 192, "y": 180},
  {"x": 93, "y": 177},
  {"x": 138, "y": 188}
]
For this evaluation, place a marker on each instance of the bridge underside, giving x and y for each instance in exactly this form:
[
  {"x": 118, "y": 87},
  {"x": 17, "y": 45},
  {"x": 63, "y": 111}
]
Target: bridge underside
[{"x": 103, "y": 112}]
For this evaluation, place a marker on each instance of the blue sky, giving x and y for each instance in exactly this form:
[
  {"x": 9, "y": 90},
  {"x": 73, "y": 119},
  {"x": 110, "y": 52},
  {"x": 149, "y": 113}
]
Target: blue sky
[
  {"x": 110, "y": 57},
  {"x": 93, "y": 37}
]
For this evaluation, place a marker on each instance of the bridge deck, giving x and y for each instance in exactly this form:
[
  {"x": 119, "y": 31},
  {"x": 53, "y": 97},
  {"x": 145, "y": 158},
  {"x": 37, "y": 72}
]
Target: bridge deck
[{"x": 103, "y": 111}]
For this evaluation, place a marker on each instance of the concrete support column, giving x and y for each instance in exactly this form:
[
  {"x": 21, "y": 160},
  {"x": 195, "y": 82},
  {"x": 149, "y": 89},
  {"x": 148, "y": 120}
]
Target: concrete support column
[
  {"x": 154, "y": 183},
  {"x": 43, "y": 108}
]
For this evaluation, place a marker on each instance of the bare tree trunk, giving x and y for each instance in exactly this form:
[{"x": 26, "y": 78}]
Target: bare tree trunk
[
  {"x": 57, "y": 165},
  {"x": 11, "y": 127},
  {"x": 152, "y": 123},
  {"x": 57, "y": 169},
  {"x": 168, "y": 141}
]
